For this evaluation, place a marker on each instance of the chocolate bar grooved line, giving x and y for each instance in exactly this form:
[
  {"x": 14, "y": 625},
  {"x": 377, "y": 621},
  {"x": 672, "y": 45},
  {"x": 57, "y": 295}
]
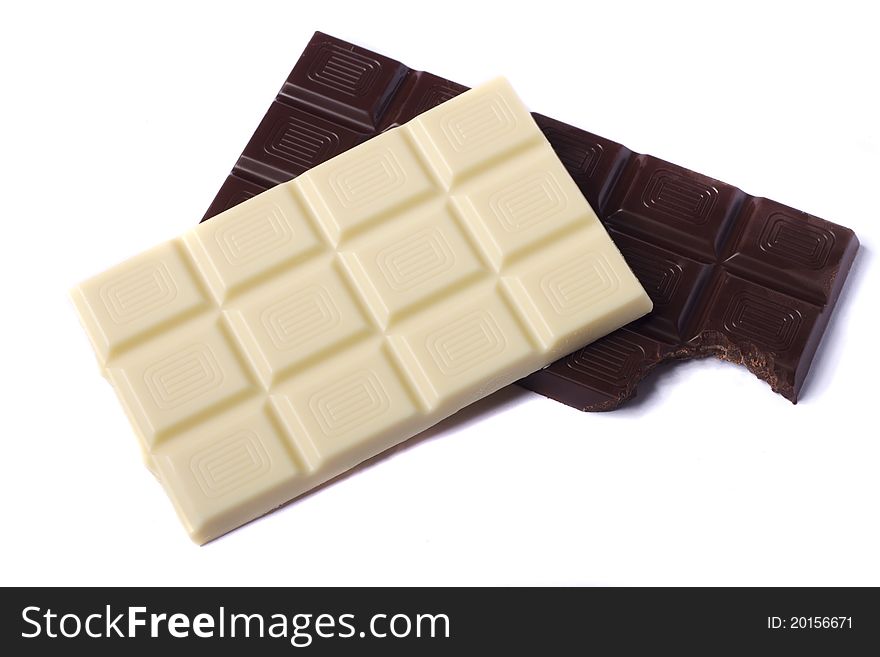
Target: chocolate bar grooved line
[
  {"x": 746, "y": 279},
  {"x": 334, "y": 316}
]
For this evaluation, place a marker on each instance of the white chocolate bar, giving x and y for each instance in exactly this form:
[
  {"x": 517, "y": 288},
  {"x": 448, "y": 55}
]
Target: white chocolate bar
[{"x": 318, "y": 324}]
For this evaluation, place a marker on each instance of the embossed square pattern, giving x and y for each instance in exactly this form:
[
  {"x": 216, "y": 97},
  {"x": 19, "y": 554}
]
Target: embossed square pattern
[
  {"x": 742, "y": 278},
  {"x": 331, "y": 317}
]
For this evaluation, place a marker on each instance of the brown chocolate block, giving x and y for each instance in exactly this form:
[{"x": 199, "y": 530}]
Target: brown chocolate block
[{"x": 742, "y": 278}]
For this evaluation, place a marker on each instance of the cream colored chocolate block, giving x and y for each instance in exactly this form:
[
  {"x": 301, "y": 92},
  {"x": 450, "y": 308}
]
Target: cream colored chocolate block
[
  {"x": 415, "y": 260},
  {"x": 365, "y": 184},
  {"x": 307, "y": 314},
  {"x": 466, "y": 343},
  {"x": 235, "y": 250},
  {"x": 568, "y": 292},
  {"x": 245, "y": 457},
  {"x": 355, "y": 407},
  {"x": 538, "y": 201},
  {"x": 143, "y": 295},
  {"x": 177, "y": 378},
  {"x": 315, "y": 325},
  {"x": 465, "y": 137}
]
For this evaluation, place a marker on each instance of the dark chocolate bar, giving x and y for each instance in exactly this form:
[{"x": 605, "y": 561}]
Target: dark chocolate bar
[{"x": 742, "y": 278}]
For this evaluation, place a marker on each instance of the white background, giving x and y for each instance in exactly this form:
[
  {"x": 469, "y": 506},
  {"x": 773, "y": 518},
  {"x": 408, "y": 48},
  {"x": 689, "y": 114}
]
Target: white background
[{"x": 118, "y": 126}]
